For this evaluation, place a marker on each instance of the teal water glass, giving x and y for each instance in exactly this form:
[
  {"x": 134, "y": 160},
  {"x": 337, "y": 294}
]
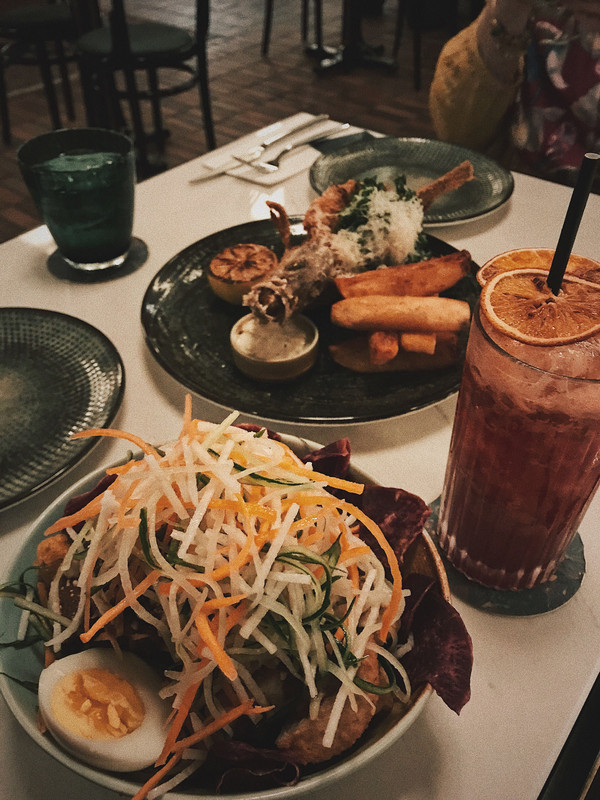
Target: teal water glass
[{"x": 82, "y": 181}]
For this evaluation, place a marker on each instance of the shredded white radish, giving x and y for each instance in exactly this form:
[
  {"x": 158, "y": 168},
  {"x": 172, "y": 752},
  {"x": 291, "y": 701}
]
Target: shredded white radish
[
  {"x": 197, "y": 760},
  {"x": 255, "y": 577},
  {"x": 24, "y": 619}
]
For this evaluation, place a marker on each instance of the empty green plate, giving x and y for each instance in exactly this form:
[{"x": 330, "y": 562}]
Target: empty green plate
[{"x": 58, "y": 375}]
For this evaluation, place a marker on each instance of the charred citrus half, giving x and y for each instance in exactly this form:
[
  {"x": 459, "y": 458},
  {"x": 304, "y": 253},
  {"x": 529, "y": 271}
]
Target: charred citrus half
[
  {"x": 232, "y": 272},
  {"x": 520, "y": 304},
  {"x": 537, "y": 258}
]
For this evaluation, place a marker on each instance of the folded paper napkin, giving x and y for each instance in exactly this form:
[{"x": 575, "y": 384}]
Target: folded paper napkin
[{"x": 293, "y": 163}]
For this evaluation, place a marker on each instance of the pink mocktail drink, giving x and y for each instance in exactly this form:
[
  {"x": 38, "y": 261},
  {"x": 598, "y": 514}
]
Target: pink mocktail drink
[{"x": 524, "y": 458}]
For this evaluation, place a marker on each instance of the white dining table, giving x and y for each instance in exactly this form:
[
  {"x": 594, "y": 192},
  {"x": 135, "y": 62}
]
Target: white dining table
[{"x": 531, "y": 675}]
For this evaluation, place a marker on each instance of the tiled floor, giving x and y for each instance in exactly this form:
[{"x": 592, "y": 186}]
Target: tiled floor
[{"x": 248, "y": 91}]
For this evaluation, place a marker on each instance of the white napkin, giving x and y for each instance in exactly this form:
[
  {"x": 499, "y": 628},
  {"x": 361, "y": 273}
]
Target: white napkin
[{"x": 291, "y": 164}]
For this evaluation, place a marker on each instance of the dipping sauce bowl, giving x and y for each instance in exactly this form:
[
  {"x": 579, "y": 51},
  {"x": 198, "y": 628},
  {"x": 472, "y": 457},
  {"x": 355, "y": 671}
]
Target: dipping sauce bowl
[{"x": 273, "y": 351}]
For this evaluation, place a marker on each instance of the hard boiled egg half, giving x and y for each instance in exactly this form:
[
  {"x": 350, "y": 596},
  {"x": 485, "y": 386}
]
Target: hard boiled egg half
[{"x": 105, "y": 709}]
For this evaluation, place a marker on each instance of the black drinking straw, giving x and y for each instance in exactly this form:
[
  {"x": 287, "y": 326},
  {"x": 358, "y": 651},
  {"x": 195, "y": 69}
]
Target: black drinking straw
[{"x": 573, "y": 216}]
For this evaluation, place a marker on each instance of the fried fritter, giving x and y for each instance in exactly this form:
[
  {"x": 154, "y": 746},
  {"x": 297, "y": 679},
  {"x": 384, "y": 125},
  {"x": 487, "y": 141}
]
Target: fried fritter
[{"x": 304, "y": 739}]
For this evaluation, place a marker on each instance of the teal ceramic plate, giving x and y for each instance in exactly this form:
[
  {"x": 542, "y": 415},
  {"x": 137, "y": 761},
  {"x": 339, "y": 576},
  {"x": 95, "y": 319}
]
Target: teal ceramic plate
[
  {"x": 58, "y": 375},
  {"x": 187, "y": 330},
  {"x": 26, "y": 665},
  {"x": 420, "y": 161}
]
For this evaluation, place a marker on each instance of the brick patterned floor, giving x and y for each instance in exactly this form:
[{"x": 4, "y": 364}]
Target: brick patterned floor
[{"x": 248, "y": 91}]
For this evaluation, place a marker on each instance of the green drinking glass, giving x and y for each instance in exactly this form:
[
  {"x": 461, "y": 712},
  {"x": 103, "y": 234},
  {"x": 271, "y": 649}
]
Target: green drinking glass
[{"x": 82, "y": 181}]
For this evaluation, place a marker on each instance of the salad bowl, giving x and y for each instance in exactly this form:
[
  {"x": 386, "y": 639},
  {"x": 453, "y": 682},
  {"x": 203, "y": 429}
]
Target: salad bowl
[{"x": 27, "y": 664}]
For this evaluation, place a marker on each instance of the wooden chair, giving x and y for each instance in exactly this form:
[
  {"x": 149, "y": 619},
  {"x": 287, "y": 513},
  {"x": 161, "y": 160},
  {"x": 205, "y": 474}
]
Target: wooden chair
[
  {"x": 422, "y": 16},
  {"x": 131, "y": 48},
  {"x": 39, "y": 35},
  {"x": 315, "y": 47}
]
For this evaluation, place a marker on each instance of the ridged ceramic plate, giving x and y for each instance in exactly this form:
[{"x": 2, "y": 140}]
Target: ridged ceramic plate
[
  {"x": 187, "y": 330},
  {"x": 58, "y": 375},
  {"x": 420, "y": 161}
]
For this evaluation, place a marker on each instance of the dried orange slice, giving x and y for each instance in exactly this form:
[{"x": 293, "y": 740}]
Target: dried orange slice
[
  {"x": 537, "y": 258},
  {"x": 520, "y": 304},
  {"x": 232, "y": 272}
]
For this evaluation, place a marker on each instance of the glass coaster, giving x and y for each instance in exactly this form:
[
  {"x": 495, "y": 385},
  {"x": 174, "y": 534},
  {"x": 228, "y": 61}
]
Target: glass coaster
[
  {"x": 544, "y": 597},
  {"x": 60, "y": 267}
]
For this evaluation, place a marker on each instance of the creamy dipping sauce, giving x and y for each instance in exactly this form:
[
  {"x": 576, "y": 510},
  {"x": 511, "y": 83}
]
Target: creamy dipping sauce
[
  {"x": 272, "y": 341},
  {"x": 274, "y": 351}
]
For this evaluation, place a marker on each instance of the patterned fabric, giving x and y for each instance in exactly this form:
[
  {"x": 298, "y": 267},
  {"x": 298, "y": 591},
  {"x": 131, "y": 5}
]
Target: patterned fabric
[{"x": 557, "y": 117}]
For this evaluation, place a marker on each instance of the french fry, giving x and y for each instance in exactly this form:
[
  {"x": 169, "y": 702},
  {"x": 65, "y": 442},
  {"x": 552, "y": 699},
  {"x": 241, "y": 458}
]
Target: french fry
[
  {"x": 418, "y": 342},
  {"x": 445, "y": 183},
  {"x": 421, "y": 278},
  {"x": 383, "y": 346},
  {"x": 354, "y": 354},
  {"x": 412, "y": 314}
]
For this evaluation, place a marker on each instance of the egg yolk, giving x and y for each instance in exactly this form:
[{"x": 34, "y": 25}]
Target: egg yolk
[{"x": 97, "y": 704}]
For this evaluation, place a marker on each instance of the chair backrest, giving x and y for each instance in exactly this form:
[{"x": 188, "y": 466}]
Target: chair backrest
[
  {"x": 118, "y": 30},
  {"x": 202, "y": 19},
  {"x": 86, "y": 14}
]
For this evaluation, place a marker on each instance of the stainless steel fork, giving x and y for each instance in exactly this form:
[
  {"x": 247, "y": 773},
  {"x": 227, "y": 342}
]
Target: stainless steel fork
[
  {"x": 256, "y": 151},
  {"x": 273, "y": 164}
]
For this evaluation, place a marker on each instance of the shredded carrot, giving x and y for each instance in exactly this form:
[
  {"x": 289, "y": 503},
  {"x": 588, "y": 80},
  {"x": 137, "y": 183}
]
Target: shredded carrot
[
  {"x": 118, "y": 434},
  {"x": 126, "y": 503},
  {"x": 353, "y": 575},
  {"x": 235, "y": 616},
  {"x": 222, "y": 659},
  {"x": 157, "y": 777},
  {"x": 242, "y": 558},
  {"x": 353, "y": 552},
  {"x": 87, "y": 512},
  {"x": 114, "y": 612},
  {"x": 311, "y": 537},
  {"x": 180, "y": 717},
  {"x": 253, "y": 493},
  {"x": 222, "y": 602},
  {"x": 249, "y": 509},
  {"x": 338, "y": 483},
  {"x": 265, "y": 532},
  {"x": 187, "y": 416},
  {"x": 305, "y": 522},
  {"x": 246, "y": 707},
  {"x": 396, "y": 598},
  {"x": 123, "y": 469}
]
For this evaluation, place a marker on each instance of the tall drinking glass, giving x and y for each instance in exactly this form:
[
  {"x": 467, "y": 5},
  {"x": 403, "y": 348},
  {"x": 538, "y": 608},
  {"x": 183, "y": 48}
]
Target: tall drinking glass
[
  {"x": 524, "y": 458},
  {"x": 82, "y": 181}
]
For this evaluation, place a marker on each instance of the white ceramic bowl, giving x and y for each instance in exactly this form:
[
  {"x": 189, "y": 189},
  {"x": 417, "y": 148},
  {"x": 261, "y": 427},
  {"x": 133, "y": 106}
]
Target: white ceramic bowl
[
  {"x": 382, "y": 733},
  {"x": 274, "y": 352}
]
